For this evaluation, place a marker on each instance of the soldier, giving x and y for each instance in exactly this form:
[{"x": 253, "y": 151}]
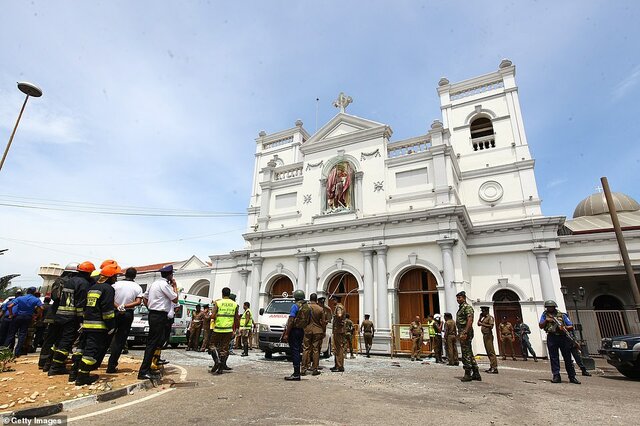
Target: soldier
[
  {"x": 451, "y": 338},
  {"x": 486, "y": 323},
  {"x": 338, "y": 334},
  {"x": 464, "y": 322},
  {"x": 437, "y": 338},
  {"x": 299, "y": 318},
  {"x": 224, "y": 320},
  {"x": 246, "y": 324},
  {"x": 368, "y": 330},
  {"x": 195, "y": 327},
  {"x": 557, "y": 325},
  {"x": 348, "y": 335},
  {"x": 416, "y": 333},
  {"x": 507, "y": 336},
  {"x": 313, "y": 336},
  {"x": 206, "y": 328},
  {"x": 522, "y": 331}
]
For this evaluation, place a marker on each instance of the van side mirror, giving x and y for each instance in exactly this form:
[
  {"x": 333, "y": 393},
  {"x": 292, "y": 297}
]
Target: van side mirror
[{"x": 261, "y": 311}]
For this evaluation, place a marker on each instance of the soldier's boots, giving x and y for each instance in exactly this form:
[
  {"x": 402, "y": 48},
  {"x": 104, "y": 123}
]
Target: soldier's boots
[
  {"x": 514, "y": 358},
  {"x": 476, "y": 375},
  {"x": 574, "y": 380},
  {"x": 466, "y": 377},
  {"x": 315, "y": 373},
  {"x": 491, "y": 371},
  {"x": 535, "y": 358},
  {"x": 47, "y": 364},
  {"x": 556, "y": 379},
  {"x": 336, "y": 370},
  {"x": 585, "y": 372},
  {"x": 296, "y": 374}
]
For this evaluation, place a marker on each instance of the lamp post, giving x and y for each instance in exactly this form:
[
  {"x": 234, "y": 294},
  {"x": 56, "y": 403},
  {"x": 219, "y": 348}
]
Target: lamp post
[
  {"x": 588, "y": 362},
  {"x": 29, "y": 90}
]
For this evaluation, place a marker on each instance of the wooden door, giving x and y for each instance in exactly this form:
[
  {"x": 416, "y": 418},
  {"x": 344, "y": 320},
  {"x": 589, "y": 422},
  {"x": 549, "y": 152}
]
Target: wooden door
[
  {"x": 282, "y": 285},
  {"x": 417, "y": 296},
  {"x": 345, "y": 285},
  {"x": 511, "y": 310}
]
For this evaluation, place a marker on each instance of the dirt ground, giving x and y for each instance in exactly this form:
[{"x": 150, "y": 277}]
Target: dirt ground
[{"x": 26, "y": 386}]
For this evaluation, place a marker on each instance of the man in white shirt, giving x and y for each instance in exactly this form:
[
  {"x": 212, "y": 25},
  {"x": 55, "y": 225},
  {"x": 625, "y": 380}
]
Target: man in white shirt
[
  {"x": 128, "y": 296},
  {"x": 159, "y": 298}
]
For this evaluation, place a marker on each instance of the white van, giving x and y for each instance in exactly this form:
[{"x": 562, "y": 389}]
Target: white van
[{"x": 272, "y": 322}]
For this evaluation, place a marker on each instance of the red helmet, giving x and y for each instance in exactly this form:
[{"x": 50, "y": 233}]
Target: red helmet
[
  {"x": 110, "y": 270},
  {"x": 86, "y": 267}
]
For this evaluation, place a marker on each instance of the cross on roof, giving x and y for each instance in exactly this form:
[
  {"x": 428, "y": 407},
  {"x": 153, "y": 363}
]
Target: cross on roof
[
  {"x": 342, "y": 102},
  {"x": 598, "y": 188}
]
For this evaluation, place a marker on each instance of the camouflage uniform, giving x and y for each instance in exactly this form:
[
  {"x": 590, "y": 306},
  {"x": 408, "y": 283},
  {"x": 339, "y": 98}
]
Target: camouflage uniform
[{"x": 468, "y": 360}]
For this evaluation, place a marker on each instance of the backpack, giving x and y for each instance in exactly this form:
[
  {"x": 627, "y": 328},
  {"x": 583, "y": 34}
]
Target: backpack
[
  {"x": 57, "y": 286},
  {"x": 303, "y": 317}
]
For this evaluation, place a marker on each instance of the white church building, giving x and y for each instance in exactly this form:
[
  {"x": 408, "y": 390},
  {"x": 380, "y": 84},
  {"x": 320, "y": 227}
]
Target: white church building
[{"x": 397, "y": 228}]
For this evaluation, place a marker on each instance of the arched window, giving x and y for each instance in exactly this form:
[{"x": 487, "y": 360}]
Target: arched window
[{"x": 482, "y": 135}]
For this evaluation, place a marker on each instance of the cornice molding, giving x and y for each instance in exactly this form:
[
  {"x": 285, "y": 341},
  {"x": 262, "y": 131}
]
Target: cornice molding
[{"x": 498, "y": 170}]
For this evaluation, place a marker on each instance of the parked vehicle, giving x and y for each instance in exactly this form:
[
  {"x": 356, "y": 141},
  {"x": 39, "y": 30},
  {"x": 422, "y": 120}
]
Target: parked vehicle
[
  {"x": 272, "y": 322},
  {"x": 186, "y": 306},
  {"x": 623, "y": 352},
  {"x": 139, "y": 327}
]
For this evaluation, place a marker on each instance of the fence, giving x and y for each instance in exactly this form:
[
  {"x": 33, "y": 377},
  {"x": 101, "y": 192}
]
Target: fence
[
  {"x": 597, "y": 325},
  {"x": 401, "y": 343}
]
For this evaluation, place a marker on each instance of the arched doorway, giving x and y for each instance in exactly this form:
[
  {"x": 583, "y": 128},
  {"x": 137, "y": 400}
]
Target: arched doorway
[
  {"x": 345, "y": 285},
  {"x": 200, "y": 288},
  {"x": 506, "y": 303},
  {"x": 417, "y": 295},
  {"x": 609, "y": 315},
  {"x": 281, "y": 285}
]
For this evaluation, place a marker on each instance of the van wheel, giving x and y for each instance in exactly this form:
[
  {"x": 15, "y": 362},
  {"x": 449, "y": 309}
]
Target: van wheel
[
  {"x": 268, "y": 355},
  {"x": 174, "y": 345}
]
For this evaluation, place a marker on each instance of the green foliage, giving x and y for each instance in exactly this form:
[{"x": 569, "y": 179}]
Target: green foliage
[{"x": 6, "y": 356}]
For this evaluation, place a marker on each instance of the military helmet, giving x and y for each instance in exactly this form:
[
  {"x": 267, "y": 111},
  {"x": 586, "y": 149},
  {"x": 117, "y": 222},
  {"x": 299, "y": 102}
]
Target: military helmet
[
  {"x": 550, "y": 304},
  {"x": 298, "y": 295}
]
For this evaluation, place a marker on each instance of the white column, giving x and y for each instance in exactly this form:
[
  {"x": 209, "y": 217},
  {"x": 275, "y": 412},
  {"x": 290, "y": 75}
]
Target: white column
[
  {"x": 312, "y": 278},
  {"x": 242, "y": 292},
  {"x": 302, "y": 272},
  {"x": 256, "y": 280},
  {"x": 358, "y": 188},
  {"x": 367, "y": 254},
  {"x": 546, "y": 282},
  {"x": 446, "y": 245},
  {"x": 381, "y": 316}
]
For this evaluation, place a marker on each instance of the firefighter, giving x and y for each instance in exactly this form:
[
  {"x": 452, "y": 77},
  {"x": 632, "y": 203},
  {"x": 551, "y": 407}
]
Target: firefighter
[
  {"x": 98, "y": 323},
  {"x": 68, "y": 316}
]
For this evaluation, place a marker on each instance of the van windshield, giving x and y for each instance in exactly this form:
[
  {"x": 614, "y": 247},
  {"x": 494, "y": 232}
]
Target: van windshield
[{"x": 279, "y": 307}]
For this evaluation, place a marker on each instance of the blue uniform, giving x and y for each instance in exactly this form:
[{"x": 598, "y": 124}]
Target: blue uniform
[
  {"x": 23, "y": 308},
  {"x": 557, "y": 341}
]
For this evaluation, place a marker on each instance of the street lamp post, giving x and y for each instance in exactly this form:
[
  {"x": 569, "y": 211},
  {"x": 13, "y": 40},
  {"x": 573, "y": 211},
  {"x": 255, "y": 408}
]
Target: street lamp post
[
  {"x": 29, "y": 90},
  {"x": 588, "y": 362}
]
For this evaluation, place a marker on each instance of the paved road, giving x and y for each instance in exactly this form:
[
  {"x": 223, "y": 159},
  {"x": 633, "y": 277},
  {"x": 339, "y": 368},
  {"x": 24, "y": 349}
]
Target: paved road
[{"x": 375, "y": 390}]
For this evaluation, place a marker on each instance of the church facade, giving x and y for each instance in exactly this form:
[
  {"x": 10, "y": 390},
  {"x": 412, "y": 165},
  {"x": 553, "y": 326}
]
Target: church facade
[{"x": 397, "y": 228}]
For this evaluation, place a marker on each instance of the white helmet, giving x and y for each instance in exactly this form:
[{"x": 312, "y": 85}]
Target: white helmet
[
  {"x": 71, "y": 267},
  {"x": 436, "y": 316}
]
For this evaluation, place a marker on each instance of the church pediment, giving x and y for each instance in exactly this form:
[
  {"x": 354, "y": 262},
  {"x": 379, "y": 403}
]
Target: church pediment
[{"x": 340, "y": 125}]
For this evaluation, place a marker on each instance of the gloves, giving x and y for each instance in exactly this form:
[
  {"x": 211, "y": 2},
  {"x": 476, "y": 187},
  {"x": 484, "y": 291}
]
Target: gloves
[{"x": 121, "y": 308}]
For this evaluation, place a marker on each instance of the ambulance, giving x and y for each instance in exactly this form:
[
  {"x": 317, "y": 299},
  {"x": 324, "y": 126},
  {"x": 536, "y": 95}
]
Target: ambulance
[{"x": 271, "y": 324}]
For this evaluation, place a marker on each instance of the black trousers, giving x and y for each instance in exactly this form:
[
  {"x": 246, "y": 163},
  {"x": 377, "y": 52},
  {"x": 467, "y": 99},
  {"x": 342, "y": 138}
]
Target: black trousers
[
  {"x": 38, "y": 339},
  {"x": 167, "y": 332},
  {"x": 157, "y": 327},
  {"x": 123, "y": 326},
  {"x": 95, "y": 344},
  {"x": 296, "y": 336},
  {"x": 5, "y": 325},
  {"x": 68, "y": 335},
  {"x": 559, "y": 343},
  {"x": 50, "y": 337}
]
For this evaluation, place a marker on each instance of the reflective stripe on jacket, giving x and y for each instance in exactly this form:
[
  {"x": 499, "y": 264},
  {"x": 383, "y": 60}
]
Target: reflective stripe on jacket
[
  {"x": 244, "y": 323},
  {"x": 225, "y": 315}
]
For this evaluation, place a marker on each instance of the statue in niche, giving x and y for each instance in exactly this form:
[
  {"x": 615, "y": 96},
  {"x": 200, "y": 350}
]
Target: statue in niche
[{"x": 340, "y": 188}]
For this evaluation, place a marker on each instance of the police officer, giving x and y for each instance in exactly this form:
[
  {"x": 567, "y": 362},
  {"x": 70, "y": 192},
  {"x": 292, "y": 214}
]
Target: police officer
[
  {"x": 68, "y": 317},
  {"x": 299, "y": 318},
  {"x": 246, "y": 324},
  {"x": 160, "y": 297},
  {"x": 206, "y": 327},
  {"x": 22, "y": 310},
  {"x": 557, "y": 325},
  {"x": 416, "y": 333},
  {"x": 7, "y": 318},
  {"x": 339, "y": 315},
  {"x": 313, "y": 337},
  {"x": 224, "y": 320},
  {"x": 195, "y": 328},
  {"x": 98, "y": 323},
  {"x": 507, "y": 336},
  {"x": 486, "y": 323},
  {"x": 368, "y": 330},
  {"x": 348, "y": 335},
  {"x": 464, "y": 322}
]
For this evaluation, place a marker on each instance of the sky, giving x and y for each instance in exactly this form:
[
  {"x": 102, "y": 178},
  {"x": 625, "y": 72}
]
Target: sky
[{"x": 154, "y": 106}]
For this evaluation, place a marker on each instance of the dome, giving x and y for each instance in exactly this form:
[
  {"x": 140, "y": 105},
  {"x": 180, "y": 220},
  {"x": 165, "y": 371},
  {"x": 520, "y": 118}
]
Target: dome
[{"x": 596, "y": 204}]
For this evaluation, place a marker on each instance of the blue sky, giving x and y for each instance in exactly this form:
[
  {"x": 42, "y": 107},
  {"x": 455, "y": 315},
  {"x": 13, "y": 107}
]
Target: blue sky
[{"x": 157, "y": 104}]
